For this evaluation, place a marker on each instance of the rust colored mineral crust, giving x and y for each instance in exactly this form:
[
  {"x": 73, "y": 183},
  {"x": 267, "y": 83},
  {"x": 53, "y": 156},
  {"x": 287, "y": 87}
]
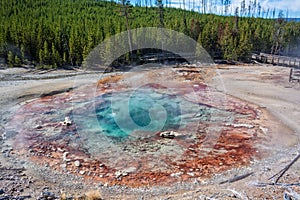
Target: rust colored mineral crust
[{"x": 212, "y": 148}]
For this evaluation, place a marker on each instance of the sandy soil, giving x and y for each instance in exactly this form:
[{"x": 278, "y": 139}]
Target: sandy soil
[{"x": 264, "y": 85}]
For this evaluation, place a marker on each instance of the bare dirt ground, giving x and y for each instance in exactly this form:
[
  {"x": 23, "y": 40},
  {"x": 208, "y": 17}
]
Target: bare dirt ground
[{"x": 264, "y": 85}]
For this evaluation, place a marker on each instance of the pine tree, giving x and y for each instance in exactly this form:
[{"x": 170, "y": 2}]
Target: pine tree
[
  {"x": 160, "y": 7},
  {"x": 195, "y": 29},
  {"x": 46, "y": 55},
  {"x": 245, "y": 48},
  {"x": 17, "y": 61},
  {"x": 10, "y": 59},
  {"x": 72, "y": 28}
]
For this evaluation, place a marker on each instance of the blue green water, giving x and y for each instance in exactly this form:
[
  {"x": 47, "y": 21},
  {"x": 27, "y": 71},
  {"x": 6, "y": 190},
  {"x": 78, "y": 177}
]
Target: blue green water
[{"x": 119, "y": 114}]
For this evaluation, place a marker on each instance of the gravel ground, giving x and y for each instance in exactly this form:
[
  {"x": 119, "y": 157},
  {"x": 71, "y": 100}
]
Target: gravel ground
[{"x": 266, "y": 86}]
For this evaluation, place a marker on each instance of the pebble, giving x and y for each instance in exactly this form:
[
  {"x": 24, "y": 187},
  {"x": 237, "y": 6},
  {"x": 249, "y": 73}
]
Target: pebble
[
  {"x": 65, "y": 157},
  {"x": 5, "y": 197},
  {"x": 77, "y": 163},
  {"x": 64, "y": 166},
  {"x": 190, "y": 174},
  {"x": 168, "y": 134},
  {"x": 47, "y": 195},
  {"x": 38, "y": 127},
  {"x": 176, "y": 174},
  {"x": 82, "y": 172},
  {"x": 119, "y": 174},
  {"x": 67, "y": 121},
  {"x": 130, "y": 170},
  {"x": 1, "y": 191}
]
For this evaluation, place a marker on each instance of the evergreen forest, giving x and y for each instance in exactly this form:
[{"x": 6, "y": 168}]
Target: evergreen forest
[{"x": 56, "y": 33}]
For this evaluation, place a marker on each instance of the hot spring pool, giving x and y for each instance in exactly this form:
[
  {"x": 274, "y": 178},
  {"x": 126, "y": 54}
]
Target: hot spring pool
[
  {"x": 144, "y": 110},
  {"x": 115, "y": 131}
]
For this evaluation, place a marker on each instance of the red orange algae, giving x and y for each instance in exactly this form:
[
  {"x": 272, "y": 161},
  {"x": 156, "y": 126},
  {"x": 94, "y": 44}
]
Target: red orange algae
[{"x": 234, "y": 147}]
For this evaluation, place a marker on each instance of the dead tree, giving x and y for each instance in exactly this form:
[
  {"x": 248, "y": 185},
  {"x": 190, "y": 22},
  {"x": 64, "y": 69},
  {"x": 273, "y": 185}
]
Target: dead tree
[
  {"x": 278, "y": 37},
  {"x": 125, "y": 9}
]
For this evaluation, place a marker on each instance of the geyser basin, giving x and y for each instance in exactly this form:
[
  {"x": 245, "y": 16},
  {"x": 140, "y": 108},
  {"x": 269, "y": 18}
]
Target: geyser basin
[{"x": 117, "y": 129}]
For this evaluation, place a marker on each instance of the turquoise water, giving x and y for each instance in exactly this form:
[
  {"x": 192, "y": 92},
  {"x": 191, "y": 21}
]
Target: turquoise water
[{"x": 119, "y": 114}]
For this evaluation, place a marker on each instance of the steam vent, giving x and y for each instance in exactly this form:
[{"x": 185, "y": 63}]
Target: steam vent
[{"x": 145, "y": 128}]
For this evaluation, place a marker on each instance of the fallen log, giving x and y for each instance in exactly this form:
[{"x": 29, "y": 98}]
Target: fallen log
[
  {"x": 237, "y": 178},
  {"x": 283, "y": 171},
  {"x": 12, "y": 169}
]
